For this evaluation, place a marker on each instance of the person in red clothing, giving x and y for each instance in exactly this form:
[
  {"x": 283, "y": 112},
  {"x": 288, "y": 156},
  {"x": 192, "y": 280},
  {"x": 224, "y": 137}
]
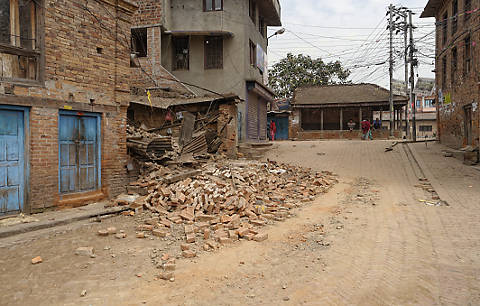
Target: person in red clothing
[
  {"x": 273, "y": 130},
  {"x": 366, "y": 130}
]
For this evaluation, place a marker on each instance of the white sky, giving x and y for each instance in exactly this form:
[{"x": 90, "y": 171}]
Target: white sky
[{"x": 346, "y": 30}]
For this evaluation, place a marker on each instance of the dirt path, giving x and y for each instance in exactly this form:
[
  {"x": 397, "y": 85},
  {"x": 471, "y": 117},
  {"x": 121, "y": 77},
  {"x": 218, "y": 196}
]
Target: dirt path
[{"x": 368, "y": 241}]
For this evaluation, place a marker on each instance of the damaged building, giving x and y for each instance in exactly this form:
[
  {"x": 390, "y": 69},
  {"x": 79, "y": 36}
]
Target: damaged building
[
  {"x": 64, "y": 95},
  {"x": 211, "y": 53}
]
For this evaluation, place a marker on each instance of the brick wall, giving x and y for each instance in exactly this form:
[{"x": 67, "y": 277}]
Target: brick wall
[
  {"x": 227, "y": 129},
  {"x": 149, "y": 12},
  {"x": 43, "y": 158},
  {"x": 86, "y": 59},
  {"x": 463, "y": 88}
]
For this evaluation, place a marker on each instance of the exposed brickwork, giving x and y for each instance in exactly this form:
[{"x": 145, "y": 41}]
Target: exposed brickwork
[
  {"x": 463, "y": 88},
  {"x": 86, "y": 59},
  {"x": 43, "y": 158},
  {"x": 149, "y": 12},
  {"x": 228, "y": 128}
]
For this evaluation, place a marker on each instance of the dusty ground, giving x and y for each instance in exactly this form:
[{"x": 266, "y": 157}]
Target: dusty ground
[{"x": 368, "y": 241}]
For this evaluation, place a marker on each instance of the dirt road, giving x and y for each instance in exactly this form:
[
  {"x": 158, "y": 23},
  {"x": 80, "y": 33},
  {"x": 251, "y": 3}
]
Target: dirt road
[{"x": 369, "y": 241}]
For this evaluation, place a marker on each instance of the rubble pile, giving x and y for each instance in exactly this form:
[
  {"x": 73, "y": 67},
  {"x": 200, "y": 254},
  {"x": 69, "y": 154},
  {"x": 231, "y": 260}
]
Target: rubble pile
[{"x": 225, "y": 201}]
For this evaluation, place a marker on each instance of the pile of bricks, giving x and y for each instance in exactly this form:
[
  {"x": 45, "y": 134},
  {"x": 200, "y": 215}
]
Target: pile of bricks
[
  {"x": 228, "y": 201},
  {"x": 222, "y": 202}
]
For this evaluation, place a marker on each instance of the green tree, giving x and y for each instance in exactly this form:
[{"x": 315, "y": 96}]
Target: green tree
[{"x": 301, "y": 70}]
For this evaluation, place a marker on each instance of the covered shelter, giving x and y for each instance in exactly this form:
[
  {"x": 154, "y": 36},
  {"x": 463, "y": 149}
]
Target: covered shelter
[{"x": 324, "y": 111}]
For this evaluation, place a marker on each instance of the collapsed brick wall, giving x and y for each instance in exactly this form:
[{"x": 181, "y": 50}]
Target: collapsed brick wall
[
  {"x": 227, "y": 129},
  {"x": 463, "y": 88}
]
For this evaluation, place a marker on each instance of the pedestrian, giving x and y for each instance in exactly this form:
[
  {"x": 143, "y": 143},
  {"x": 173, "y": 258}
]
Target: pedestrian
[
  {"x": 366, "y": 130},
  {"x": 377, "y": 124},
  {"x": 273, "y": 130},
  {"x": 351, "y": 125}
]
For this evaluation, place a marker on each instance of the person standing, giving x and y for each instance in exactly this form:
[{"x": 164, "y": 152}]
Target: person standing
[
  {"x": 366, "y": 130},
  {"x": 351, "y": 125},
  {"x": 273, "y": 130}
]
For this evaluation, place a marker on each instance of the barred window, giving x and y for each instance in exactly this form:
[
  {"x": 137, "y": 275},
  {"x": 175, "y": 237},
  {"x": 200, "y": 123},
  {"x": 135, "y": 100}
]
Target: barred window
[{"x": 213, "y": 52}]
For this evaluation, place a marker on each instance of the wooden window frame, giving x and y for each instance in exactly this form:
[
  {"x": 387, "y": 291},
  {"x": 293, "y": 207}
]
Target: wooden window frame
[
  {"x": 207, "y": 64},
  {"x": 467, "y": 55},
  {"x": 445, "y": 28},
  {"x": 454, "y": 16},
  {"x": 253, "y": 53},
  {"x": 135, "y": 35},
  {"x": 252, "y": 10},
  {"x": 467, "y": 6},
  {"x": 213, "y": 6},
  {"x": 454, "y": 65},
  {"x": 444, "y": 72},
  {"x": 33, "y": 55}
]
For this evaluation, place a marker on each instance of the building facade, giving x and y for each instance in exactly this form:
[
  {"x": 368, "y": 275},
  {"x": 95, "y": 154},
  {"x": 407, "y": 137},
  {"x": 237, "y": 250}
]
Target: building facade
[
  {"x": 324, "y": 111},
  {"x": 457, "y": 70},
  {"x": 64, "y": 93},
  {"x": 214, "y": 47}
]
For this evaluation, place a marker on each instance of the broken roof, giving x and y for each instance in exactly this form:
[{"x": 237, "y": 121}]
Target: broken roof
[
  {"x": 344, "y": 94},
  {"x": 165, "y": 103},
  {"x": 424, "y": 85}
]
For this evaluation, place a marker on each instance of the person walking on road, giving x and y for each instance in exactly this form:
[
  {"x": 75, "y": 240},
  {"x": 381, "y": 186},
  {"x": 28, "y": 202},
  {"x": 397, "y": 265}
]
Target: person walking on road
[
  {"x": 273, "y": 130},
  {"x": 366, "y": 130}
]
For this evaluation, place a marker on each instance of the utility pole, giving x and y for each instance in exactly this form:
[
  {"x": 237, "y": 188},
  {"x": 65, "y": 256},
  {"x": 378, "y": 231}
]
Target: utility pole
[
  {"x": 412, "y": 78},
  {"x": 390, "y": 10},
  {"x": 405, "y": 32}
]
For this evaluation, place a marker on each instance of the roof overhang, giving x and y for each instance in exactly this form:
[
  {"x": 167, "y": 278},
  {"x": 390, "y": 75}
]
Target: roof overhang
[
  {"x": 270, "y": 10},
  {"x": 431, "y": 8},
  {"x": 165, "y": 103},
  {"x": 261, "y": 90},
  {"x": 199, "y": 33},
  {"x": 350, "y": 105}
]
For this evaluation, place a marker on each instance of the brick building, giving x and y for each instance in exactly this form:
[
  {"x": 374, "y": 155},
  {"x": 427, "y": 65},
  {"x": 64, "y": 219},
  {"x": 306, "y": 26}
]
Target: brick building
[
  {"x": 64, "y": 94},
  {"x": 457, "y": 70}
]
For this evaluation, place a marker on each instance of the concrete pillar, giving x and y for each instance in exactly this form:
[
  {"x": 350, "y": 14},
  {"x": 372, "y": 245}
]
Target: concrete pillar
[
  {"x": 321, "y": 119},
  {"x": 360, "y": 118},
  {"x": 341, "y": 119}
]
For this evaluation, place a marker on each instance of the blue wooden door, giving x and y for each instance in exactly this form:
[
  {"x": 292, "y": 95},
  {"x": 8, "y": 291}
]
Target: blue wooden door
[
  {"x": 12, "y": 166},
  {"x": 79, "y": 153},
  {"x": 282, "y": 127}
]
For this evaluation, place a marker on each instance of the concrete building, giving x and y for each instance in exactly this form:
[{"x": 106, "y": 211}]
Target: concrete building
[
  {"x": 213, "y": 47},
  {"x": 324, "y": 111},
  {"x": 425, "y": 108},
  {"x": 64, "y": 94},
  {"x": 457, "y": 70}
]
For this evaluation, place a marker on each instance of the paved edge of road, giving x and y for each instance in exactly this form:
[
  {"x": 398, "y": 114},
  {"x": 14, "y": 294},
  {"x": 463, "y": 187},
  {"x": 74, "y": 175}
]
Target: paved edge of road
[
  {"x": 21, "y": 228},
  {"x": 442, "y": 193}
]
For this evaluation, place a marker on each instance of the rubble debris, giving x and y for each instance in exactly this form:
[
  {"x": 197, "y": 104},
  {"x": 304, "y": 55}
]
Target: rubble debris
[
  {"x": 222, "y": 202},
  {"x": 37, "y": 260},
  {"x": 85, "y": 251}
]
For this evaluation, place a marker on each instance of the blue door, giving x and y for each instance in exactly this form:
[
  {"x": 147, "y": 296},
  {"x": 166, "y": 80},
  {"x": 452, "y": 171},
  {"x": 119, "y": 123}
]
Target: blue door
[
  {"x": 12, "y": 166},
  {"x": 281, "y": 123},
  {"x": 79, "y": 149}
]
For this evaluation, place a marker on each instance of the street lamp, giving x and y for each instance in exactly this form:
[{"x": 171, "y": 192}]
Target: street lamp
[{"x": 279, "y": 32}]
